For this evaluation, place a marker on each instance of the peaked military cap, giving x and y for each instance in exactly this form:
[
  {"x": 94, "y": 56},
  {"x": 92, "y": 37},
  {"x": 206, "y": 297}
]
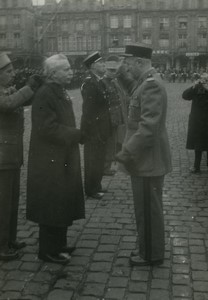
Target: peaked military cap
[
  {"x": 94, "y": 57},
  {"x": 4, "y": 60},
  {"x": 138, "y": 50}
]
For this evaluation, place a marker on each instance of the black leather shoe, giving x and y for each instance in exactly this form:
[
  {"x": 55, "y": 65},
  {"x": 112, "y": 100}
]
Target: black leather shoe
[
  {"x": 68, "y": 249},
  {"x": 103, "y": 191},
  {"x": 138, "y": 261},
  {"x": 17, "y": 245},
  {"x": 8, "y": 255},
  {"x": 195, "y": 170},
  {"x": 97, "y": 196},
  {"x": 109, "y": 173},
  {"x": 60, "y": 258}
]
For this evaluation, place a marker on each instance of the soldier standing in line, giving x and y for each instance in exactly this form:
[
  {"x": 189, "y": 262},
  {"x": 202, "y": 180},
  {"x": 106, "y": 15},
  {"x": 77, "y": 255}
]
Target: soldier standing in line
[
  {"x": 146, "y": 155},
  {"x": 11, "y": 155},
  {"x": 115, "y": 110},
  {"x": 95, "y": 125}
]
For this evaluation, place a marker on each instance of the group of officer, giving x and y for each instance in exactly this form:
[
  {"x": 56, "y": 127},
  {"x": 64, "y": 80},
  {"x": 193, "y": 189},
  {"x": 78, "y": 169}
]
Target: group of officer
[
  {"x": 145, "y": 153},
  {"x": 128, "y": 100},
  {"x": 103, "y": 120}
]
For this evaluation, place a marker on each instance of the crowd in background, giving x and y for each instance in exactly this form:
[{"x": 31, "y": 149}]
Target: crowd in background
[
  {"x": 181, "y": 75},
  {"x": 171, "y": 75}
]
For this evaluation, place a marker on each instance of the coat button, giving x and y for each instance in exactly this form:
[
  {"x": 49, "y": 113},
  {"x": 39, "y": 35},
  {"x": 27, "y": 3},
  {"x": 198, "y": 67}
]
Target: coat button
[
  {"x": 65, "y": 165},
  {"x": 52, "y": 160}
]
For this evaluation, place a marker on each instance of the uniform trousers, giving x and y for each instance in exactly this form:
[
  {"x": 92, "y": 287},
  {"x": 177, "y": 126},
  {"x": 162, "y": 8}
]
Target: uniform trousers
[
  {"x": 111, "y": 150},
  {"x": 52, "y": 239},
  {"x": 198, "y": 157},
  {"x": 148, "y": 206},
  {"x": 9, "y": 202},
  {"x": 94, "y": 160}
]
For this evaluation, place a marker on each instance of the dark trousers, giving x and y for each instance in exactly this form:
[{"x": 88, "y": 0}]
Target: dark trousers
[
  {"x": 197, "y": 159},
  {"x": 94, "y": 160},
  {"x": 9, "y": 201},
  {"x": 147, "y": 194},
  {"x": 52, "y": 239},
  {"x": 110, "y": 150}
]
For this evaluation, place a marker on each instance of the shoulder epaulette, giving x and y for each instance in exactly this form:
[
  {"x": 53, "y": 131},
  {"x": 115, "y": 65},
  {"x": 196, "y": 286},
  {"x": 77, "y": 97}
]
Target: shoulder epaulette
[
  {"x": 86, "y": 80},
  {"x": 150, "y": 79}
]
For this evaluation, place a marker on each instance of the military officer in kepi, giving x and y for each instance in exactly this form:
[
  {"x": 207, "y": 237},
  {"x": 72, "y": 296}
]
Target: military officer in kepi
[
  {"x": 95, "y": 125},
  {"x": 146, "y": 154}
]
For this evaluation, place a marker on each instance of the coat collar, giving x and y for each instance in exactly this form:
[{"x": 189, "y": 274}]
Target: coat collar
[
  {"x": 143, "y": 77},
  {"x": 56, "y": 88},
  {"x": 95, "y": 76}
]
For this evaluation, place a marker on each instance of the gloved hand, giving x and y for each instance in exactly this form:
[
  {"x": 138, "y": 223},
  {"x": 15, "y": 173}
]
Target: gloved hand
[
  {"x": 126, "y": 160},
  {"x": 34, "y": 82}
]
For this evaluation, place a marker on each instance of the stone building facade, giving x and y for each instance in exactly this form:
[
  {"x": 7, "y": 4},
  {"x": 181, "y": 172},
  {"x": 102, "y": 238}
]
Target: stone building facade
[
  {"x": 176, "y": 29},
  {"x": 17, "y": 29}
]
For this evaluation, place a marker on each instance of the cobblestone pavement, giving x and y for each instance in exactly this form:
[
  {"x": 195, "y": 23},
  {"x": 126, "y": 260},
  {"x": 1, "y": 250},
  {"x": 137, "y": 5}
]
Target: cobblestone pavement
[{"x": 99, "y": 268}]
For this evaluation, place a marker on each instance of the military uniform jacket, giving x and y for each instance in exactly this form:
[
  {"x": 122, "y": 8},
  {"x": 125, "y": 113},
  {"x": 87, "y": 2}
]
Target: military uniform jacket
[
  {"x": 114, "y": 101},
  {"x": 95, "y": 121},
  {"x": 12, "y": 126},
  {"x": 146, "y": 141}
]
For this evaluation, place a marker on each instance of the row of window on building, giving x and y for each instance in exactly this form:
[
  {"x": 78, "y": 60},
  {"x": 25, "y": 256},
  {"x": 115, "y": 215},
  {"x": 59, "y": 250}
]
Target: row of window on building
[
  {"x": 14, "y": 20},
  {"x": 10, "y": 40},
  {"x": 84, "y": 43},
  {"x": 164, "y": 22},
  {"x": 74, "y": 43},
  {"x": 15, "y": 3},
  {"x": 115, "y": 22}
]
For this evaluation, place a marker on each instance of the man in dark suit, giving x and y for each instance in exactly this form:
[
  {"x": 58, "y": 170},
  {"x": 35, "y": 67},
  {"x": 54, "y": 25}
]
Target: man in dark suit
[
  {"x": 95, "y": 125},
  {"x": 146, "y": 154},
  {"x": 54, "y": 188}
]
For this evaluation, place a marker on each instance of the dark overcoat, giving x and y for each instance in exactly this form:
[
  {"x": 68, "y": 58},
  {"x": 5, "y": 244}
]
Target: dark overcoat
[
  {"x": 197, "y": 136},
  {"x": 96, "y": 128},
  {"x": 95, "y": 121},
  {"x": 54, "y": 188}
]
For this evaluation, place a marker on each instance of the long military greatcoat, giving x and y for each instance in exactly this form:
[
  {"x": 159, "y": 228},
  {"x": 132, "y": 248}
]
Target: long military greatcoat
[
  {"x": 197, "y": 137},
  {"x": 96, "y": 128},
  {"x": 146, "y": 142},
  {"x": 54, "y": 189}
]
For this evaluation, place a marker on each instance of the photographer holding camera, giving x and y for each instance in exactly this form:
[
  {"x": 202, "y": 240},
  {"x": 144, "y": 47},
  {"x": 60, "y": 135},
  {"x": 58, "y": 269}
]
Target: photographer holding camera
[{"x": 197, "y": 137}]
